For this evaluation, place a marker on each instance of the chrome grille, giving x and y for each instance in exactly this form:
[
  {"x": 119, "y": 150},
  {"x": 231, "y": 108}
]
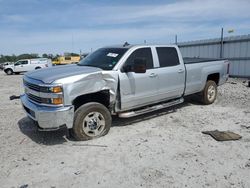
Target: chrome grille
[
  {"x": 40, "y": 93},
  {"x": 31, "y": 86},
  {"x": 34, "y": 98}
]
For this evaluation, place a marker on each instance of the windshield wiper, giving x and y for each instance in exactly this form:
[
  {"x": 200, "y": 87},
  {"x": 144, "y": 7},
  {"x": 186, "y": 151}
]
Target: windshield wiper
[{"x": 90, "y": 66}]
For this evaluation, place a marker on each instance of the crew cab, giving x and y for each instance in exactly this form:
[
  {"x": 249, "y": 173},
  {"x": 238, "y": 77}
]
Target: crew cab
[
  {"x": 126, "y": 81},
  {"x": 25, "y": 65}
]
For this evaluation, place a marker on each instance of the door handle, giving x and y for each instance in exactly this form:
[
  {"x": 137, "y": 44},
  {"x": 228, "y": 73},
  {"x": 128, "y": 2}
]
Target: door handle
[
  {"x": 180, "y": 71},
  {"x": 152, "y": 75}
]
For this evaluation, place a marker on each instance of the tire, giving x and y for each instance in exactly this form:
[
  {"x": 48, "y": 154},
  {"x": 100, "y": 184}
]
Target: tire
[
  {"x": 37, "y": 68},
  {"x": 91, "y": 120},
  {"x": 9, "y": 72},
  {"x": 209, "y": 93}
]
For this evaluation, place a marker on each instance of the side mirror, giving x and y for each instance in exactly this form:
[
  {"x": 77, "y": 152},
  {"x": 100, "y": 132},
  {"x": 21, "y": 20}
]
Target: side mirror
[{"x": 139, "y": 65}]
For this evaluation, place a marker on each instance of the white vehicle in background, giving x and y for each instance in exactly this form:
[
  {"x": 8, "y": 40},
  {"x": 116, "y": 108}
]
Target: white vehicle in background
[
  {"x": 2, "y": 65},
  {"x": 25, "y": 65}
]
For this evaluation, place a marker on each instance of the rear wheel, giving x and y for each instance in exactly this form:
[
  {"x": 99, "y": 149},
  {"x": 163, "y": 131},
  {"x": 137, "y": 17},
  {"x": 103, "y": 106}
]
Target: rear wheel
[
  {"x": 9, "y": 72},
  {"x": 91, "y": 120},
  {"x": 37, "y": 68},
  {"x": 209, "y": 93}
]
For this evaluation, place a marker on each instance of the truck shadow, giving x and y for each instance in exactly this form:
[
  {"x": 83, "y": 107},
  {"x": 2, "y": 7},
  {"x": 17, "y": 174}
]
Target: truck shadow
[
  {"x": 29, "y": 128},
  {"x": 128, "y": 121}
]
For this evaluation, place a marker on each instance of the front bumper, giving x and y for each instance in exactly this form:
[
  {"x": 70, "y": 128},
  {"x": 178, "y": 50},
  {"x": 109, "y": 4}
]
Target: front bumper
[{"x": 48, "y": 118}]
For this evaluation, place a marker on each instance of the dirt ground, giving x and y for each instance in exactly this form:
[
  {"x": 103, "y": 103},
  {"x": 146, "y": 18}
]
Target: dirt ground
[{"x": 161, "y": 149}]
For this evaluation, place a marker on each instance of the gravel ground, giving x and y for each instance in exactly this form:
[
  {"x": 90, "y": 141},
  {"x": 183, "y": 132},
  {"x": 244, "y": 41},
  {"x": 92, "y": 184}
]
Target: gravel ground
[{"x": 162, "y": 149}]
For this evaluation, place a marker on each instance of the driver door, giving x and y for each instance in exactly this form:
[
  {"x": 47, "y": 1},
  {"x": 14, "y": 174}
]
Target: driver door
[
  {"x": 138, "y": 89},
  {"x": 21, "y": 66}
]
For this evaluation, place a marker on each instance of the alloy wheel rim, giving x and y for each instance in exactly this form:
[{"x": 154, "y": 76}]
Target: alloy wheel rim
[
  {"x": 211, "y": 92},
  {"x": 93, "y": 124}
]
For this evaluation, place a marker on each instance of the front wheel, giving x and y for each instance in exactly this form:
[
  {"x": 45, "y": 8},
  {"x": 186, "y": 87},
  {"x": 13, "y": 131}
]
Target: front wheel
[
  {"x": 9, "y": 72},
  {"x": 91, "y": 120},
  {"x": 209, "y": 93}
]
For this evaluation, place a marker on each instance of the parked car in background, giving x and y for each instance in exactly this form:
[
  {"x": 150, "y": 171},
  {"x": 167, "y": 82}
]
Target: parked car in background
[
  {"x": 25, "y": 65},
  {"x": 65, "y": 60},
  {"x": 119, "y": 80},
  {"x": 2, "y": 65}
]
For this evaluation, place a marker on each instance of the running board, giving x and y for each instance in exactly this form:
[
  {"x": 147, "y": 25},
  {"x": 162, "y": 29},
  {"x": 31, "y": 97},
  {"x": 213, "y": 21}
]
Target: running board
[{"x": 150, "y": 109}]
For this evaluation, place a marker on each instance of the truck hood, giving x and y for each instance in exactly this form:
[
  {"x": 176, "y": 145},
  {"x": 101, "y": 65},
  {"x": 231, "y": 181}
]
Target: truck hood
[{"x": 49, "y": 75}]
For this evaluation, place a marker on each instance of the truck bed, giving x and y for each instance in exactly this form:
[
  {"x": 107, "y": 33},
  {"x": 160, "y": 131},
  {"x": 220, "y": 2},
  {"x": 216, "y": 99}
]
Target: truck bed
[
  {"x": 190, "y": 60},
  {"x": 198, "y": 69}
]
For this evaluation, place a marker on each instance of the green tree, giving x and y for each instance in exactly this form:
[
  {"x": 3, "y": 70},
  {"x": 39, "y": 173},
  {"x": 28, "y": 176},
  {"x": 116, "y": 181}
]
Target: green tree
[{"x": 45, "y": 56}]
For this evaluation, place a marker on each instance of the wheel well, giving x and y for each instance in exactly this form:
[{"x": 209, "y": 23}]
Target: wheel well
[
  {"x": 37, "y": 67},
  {"x": 102, "y": 97},
  {"x": 215, "y": 77},
  {"x": 8, "y": 69}
]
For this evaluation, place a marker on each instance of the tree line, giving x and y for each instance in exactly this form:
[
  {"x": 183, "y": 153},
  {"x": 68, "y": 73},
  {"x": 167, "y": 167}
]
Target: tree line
[{"x": 14, "y": 58}]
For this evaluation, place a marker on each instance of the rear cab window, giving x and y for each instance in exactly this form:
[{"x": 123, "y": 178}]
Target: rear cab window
[
  {"x": 168, "y": 56},
  {"x": 141, "y": 53}
]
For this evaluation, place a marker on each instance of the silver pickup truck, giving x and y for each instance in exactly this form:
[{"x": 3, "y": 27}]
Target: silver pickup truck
[{"x": 126, "y": 80}]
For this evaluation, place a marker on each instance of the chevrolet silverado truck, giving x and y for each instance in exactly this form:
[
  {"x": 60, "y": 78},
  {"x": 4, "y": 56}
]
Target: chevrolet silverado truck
[{"x": 126, "y": 81}]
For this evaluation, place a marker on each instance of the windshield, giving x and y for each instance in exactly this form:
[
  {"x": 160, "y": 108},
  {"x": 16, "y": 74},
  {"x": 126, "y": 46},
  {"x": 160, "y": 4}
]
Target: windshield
[{"x": 104, "y": 58}]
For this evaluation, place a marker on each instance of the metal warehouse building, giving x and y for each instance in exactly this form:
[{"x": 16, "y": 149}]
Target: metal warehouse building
[{"x": 236, "y": 49}]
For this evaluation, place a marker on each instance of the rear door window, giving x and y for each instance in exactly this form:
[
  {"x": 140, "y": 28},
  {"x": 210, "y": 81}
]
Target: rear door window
[
  {"x": 142, "y": 53},
  {"x": 167, "y": 56},
  {"x": 24, "y": 62}
]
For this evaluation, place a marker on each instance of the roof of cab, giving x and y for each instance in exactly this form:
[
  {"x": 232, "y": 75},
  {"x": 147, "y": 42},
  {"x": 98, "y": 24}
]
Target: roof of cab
[
  {"x": 120, "y": 46},
  {"x": 127, "y": 46}
]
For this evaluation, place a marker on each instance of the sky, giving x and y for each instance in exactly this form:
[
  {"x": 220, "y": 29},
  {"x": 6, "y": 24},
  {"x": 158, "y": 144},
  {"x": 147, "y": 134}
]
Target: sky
[{"x": 58, "y": 26}]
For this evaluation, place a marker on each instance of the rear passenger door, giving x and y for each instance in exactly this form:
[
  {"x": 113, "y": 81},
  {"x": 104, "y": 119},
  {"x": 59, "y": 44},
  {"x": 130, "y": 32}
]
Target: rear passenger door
[{"x": 171, "y": 73}]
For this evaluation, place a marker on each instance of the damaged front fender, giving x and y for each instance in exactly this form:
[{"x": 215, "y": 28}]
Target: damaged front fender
[{"x": 78, "y": 85}]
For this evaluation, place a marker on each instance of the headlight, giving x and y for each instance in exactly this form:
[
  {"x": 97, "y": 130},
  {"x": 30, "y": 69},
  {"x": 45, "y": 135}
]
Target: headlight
[
  {"x": 52, "y": 89},
  {"x": 54, "y": 95},
  {"x": 55, "y": 101},
  {"x": 56, "y": 89}
]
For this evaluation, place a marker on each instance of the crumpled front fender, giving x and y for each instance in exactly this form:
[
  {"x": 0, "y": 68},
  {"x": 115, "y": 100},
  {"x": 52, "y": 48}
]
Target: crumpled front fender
[{"x": 78, "y": 85}]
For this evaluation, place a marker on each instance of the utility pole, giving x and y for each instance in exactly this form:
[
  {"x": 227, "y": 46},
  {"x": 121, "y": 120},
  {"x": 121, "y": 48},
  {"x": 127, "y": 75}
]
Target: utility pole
[
  {"x": 176, "y": 39},
  {"x": 72, "y": 44},
  {"x": 221, "y": 43}
]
